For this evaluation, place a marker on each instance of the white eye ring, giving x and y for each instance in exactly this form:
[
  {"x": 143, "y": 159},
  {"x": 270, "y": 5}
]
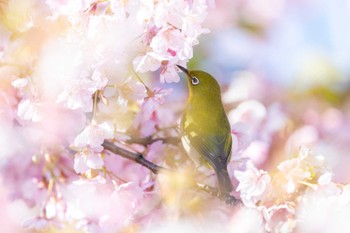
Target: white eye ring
[{"x": 194, "y": 80}]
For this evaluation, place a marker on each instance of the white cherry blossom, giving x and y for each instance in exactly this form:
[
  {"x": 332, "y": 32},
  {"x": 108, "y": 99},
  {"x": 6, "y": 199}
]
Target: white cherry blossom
[
  {"x": 20, "y": 82},
  {"x": 29, "y": 110}
]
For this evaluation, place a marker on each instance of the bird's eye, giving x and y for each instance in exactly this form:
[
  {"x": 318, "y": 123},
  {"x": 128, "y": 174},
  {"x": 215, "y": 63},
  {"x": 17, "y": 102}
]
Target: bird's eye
[{"x": 194, "y": 80}]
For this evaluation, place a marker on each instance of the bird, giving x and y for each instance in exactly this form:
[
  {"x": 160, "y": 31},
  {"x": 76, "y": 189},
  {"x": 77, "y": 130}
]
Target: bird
[{"x": 204, "y": 128}]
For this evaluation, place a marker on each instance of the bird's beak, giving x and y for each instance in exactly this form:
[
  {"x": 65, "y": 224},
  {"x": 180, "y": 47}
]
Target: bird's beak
[{"x": 183, "y": 69}]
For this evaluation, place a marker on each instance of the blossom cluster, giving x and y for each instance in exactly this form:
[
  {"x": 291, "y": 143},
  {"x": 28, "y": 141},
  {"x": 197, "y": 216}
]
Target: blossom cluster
[{"x": 71, "y": 79}]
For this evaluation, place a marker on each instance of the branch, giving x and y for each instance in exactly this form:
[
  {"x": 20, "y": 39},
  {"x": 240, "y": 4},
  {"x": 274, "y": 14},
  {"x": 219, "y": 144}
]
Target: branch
[
  {"x": 226, "y": 197},
  {"x": 137, "y": 157},
  {"x": 149, "y": 140}
]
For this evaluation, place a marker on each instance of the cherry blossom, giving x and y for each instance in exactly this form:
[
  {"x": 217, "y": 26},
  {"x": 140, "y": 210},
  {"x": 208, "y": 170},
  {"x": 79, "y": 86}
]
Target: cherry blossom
[
  {"x": 324, "y": 211},
  {"x": 20, "y": 82},
  {"x": 247, "y": 220},
  {"x": 27, "y": 110},
  {"x": 93, "y": 136},
  {"x": 147, "y": 119},
  {"x": 79, "y": 95},
  {"x": 86, "y": 160},
  {"x": 252, "y": 183},
  {"x": 41, "y": 224},
  {"x": 101, "y": 215},
  {"x": 146, "y": 63},
  {"x": 169, "y": 74},
  {"x": 304, "y": 168},
  {"x": 279, "y": 218},
  {"x": 179, "y": 25},
  {"x": 240, "y": 137}
]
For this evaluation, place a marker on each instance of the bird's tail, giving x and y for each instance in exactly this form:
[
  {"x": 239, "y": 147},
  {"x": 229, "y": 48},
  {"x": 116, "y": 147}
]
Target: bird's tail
[{"x": 225, "y": 184}]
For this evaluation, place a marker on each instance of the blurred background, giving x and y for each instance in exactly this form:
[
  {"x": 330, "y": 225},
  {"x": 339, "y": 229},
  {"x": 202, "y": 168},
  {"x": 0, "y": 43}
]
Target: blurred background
[{"x": 288, "y": 55}]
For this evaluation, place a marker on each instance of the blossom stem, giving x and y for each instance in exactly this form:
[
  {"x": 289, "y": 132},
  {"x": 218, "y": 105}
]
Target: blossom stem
[
  {"x": 140, "y": 79},
  {"x": 95, "y": 105}
]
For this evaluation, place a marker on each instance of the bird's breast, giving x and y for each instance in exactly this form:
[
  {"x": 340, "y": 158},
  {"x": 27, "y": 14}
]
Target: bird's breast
[{"x": 191, "y": 151}]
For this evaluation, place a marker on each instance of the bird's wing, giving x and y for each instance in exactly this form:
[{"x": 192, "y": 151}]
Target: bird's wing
[{"x": 216, "y": 148}]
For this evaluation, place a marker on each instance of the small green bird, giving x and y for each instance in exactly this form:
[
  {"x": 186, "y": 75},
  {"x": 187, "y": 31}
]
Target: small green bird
[{"x": 206, "y": 134}]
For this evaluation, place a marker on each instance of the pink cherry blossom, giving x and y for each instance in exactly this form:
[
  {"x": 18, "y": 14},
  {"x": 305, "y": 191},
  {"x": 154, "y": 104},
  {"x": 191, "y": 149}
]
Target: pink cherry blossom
[
  {"x": 324, "y": 211},
  {"x": 40, "y": 224},
  {"x": 252, "y": 183},
  {"x": 294, "y": 173},
  {"x": 147, "y": 119},
  {"x": 172, "y": 28},
  {"x": 123, "y": 8},
  {"x": 129, "y": 91},
  {"x": 194, "y": 16},
  {"x": 93, "y": 136},
  {"x": 257, "y": 152},
  {"x": 114, "y": 208},
  {"x": 302, "y": 169},
  {"x": 169, "y": 74},
  {"x": 145, "y": 13},
  {"x": 79, "y": 94},
  {"x": 167, "y": 40},
  {"x": 156, "y": 150},
  {"x": 247, "y": 220},
  {"x": 29, "y": 107},
  {"x": 145, "y": 63},
  {"x": 279, "y": 218},
  {"x": 20, "y": 82},
  {"x": 240, "y": 137},
  {"x": 169, "y": 13},
  {"x": 86, "y": 160}
]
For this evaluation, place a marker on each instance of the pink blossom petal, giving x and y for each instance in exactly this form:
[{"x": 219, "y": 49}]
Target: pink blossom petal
[
  {"x": 94, "y": 161},
  {"x": 27, "y": 110},
  {"x": 146, "y": 63},
  {"x": 252, "y": 183},
  {"x": 94, "y": 135},
  {"x": 240, "y": 135},
  {"x": 169, "y": 74},
  {"x": 80, "y": 165},
  {"x": 20, "y": 82}
]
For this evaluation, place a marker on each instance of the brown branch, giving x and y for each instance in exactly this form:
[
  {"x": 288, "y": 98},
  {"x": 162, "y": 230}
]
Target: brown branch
[
  {"x": 137, "y": 157},
  {"x": 226, "y": 197},
  {"x": 149, "y": 140}
]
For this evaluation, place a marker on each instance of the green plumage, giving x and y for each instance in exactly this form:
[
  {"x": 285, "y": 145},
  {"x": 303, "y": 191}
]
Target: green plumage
[{"x": 205, "y": 127}]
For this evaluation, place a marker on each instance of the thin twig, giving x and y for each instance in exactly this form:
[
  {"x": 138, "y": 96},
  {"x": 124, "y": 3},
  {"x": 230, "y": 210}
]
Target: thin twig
[{"x": 140, "y": 79}]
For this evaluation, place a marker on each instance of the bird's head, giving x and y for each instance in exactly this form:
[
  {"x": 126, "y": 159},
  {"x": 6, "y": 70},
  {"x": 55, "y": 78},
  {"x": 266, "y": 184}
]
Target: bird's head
[{"x": 201, "y": 83}]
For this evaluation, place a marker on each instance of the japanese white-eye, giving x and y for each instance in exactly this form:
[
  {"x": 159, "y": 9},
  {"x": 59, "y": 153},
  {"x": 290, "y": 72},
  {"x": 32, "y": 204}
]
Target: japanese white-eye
[{"x": 205, "y": 129}]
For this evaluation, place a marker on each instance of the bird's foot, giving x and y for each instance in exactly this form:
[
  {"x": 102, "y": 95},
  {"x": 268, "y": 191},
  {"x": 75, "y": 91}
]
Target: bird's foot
[{"x": 228, "y": 199}]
